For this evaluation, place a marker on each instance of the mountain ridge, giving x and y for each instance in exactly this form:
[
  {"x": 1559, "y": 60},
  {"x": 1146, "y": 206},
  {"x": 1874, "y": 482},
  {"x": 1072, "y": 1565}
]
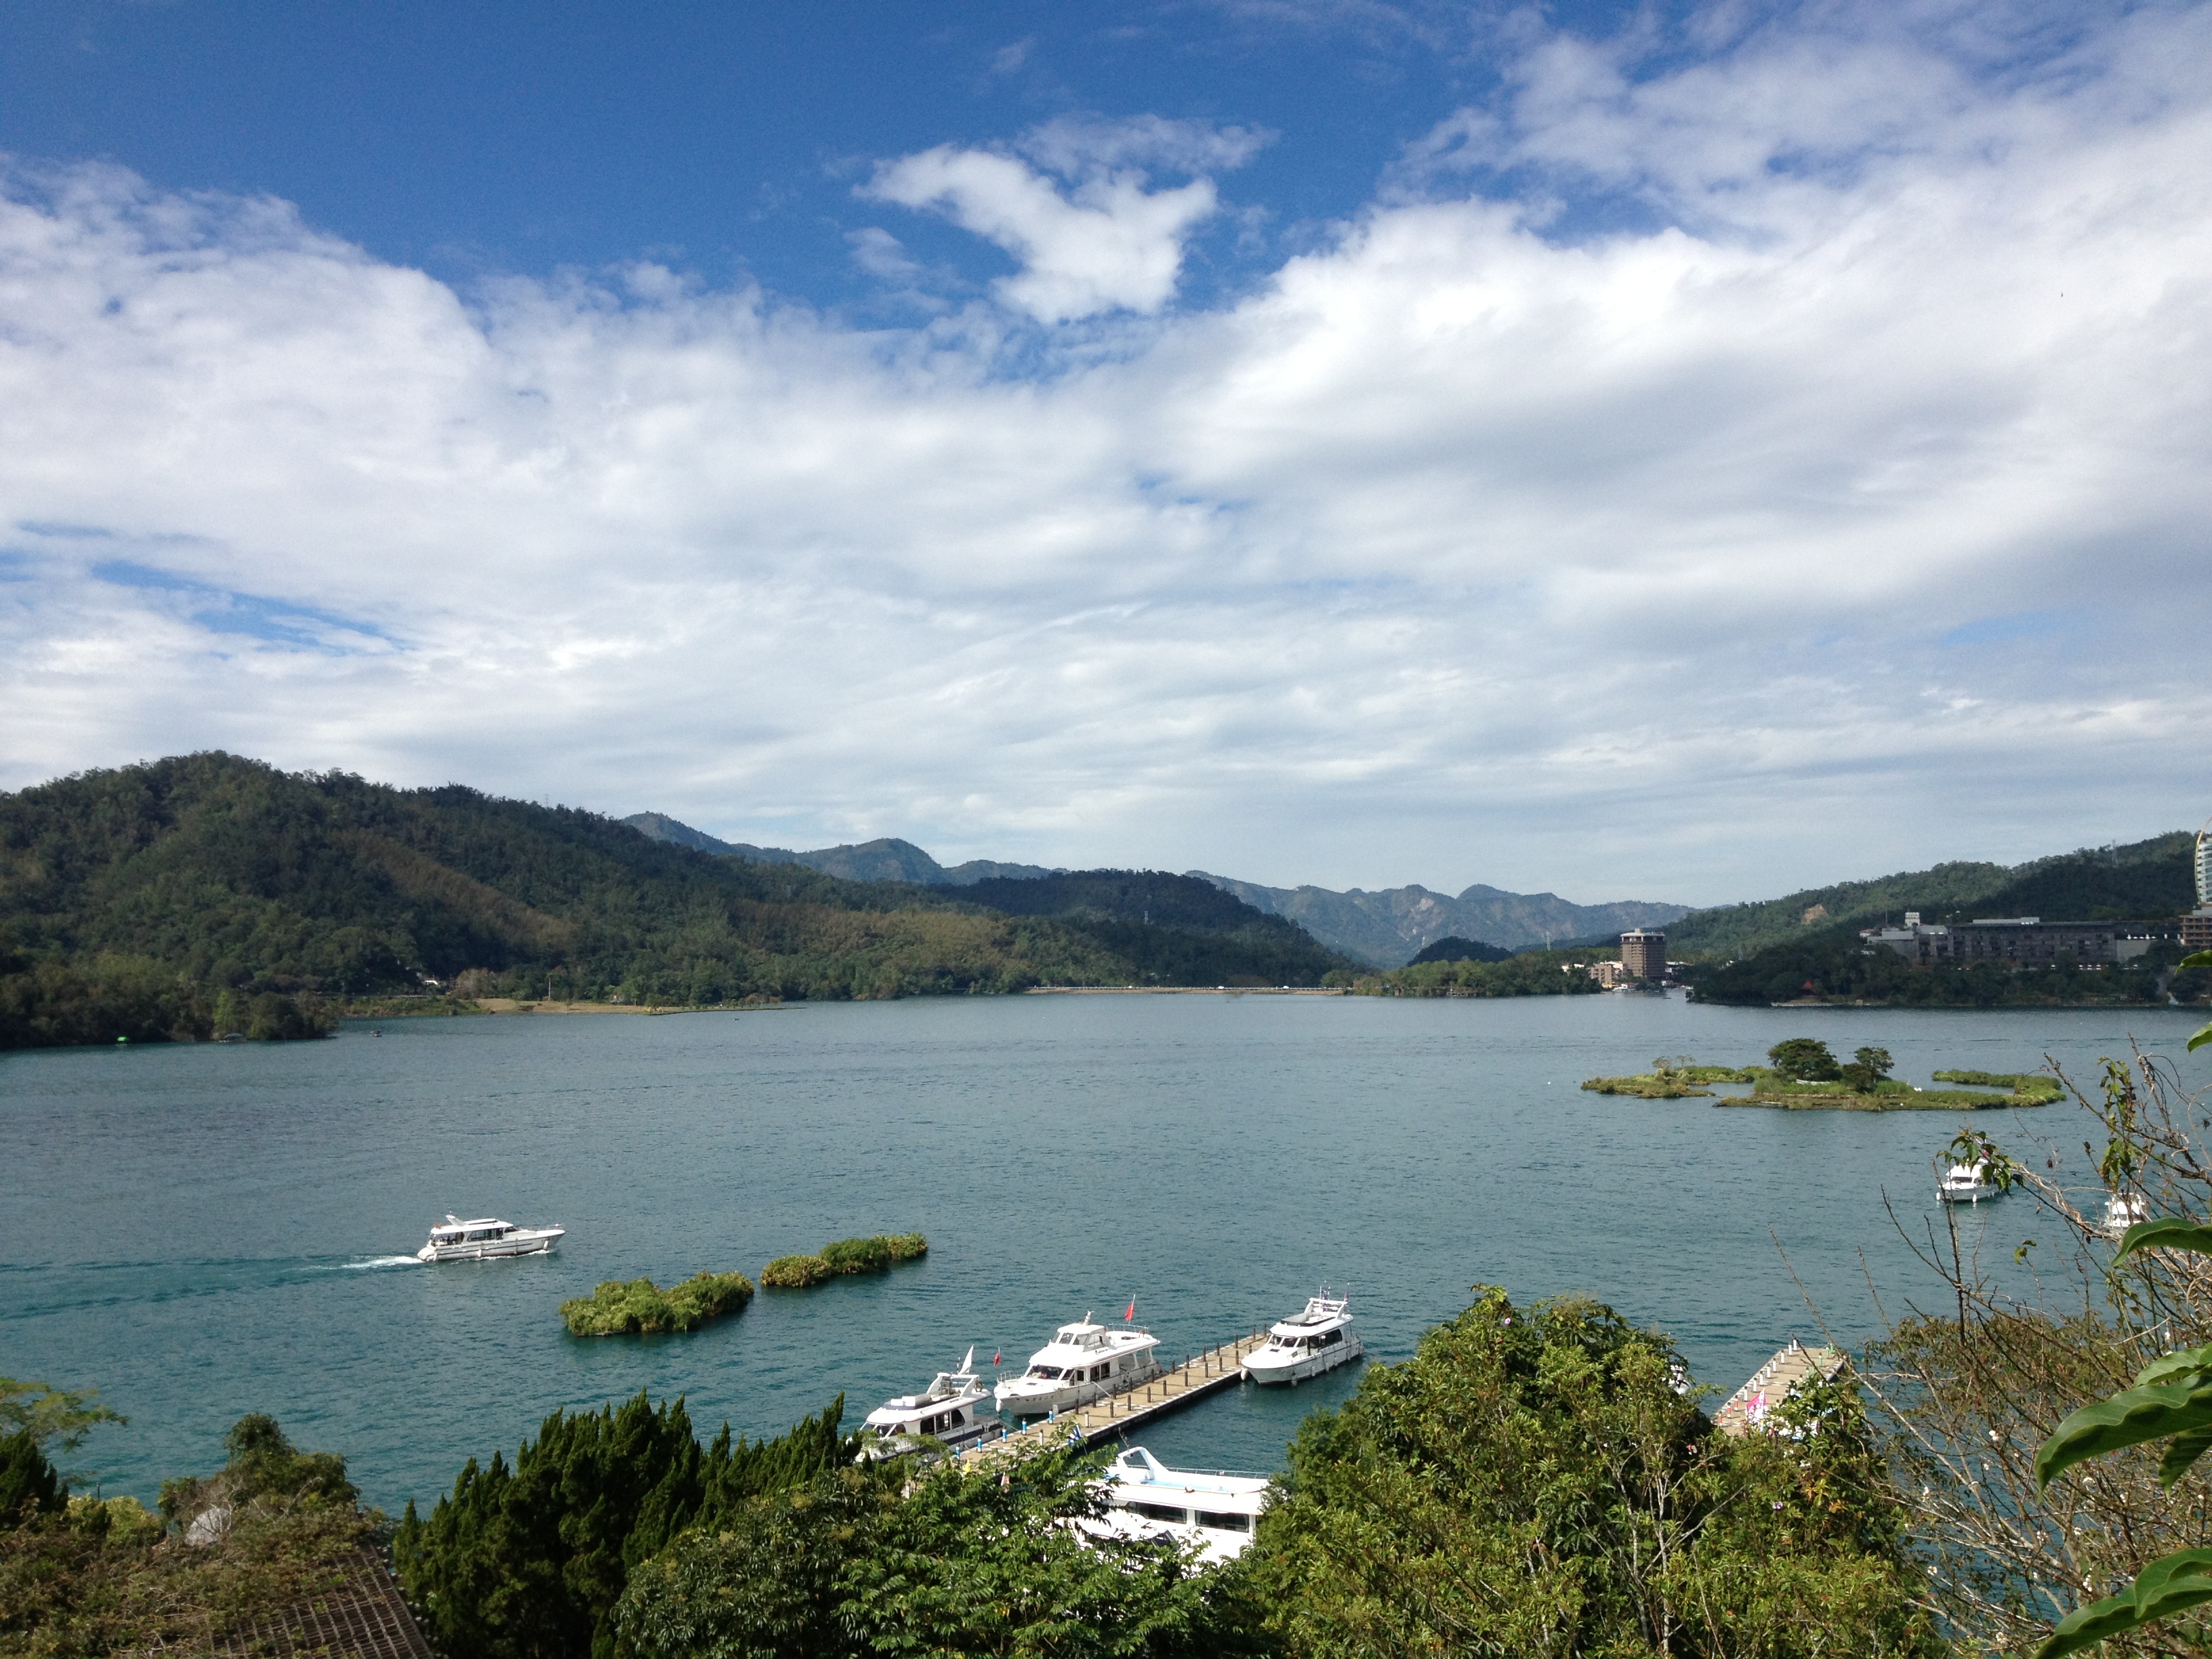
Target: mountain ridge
[{"x": 887, "y": 858}]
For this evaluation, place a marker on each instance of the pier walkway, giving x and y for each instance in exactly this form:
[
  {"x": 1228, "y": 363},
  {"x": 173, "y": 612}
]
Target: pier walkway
[
  {"x": 1122, "y": 1414},
  {"x": 1746, "y": 1409}
]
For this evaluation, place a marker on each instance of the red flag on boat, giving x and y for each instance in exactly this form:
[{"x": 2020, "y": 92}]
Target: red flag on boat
[
  {"x": 995, "y": 1359},
  {"x": 1132, "y": 1313}
]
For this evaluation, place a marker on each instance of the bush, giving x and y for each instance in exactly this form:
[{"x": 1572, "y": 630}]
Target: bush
[
  {"x": 1538, "y": 1481},
  {"x": 528, "y": 1560},
  {"x": 641, "y": 1307},
  {"x": 28, "y": 1485},
  {"x": 873, "y": 1254},
  {"x": 794, "y": 1273}
]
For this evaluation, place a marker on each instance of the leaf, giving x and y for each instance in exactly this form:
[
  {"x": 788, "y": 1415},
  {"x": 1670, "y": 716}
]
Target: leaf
[
  {"x": 2201, "y": 959},
  {"x": 2171, "y": 1584},
  {"x": 2164, "y": 1232},
  {"x": 2186, "y": 1450},
  {"x": 2169, "y": 1366},
  {"x": 2128, "y": 1418},
  {"x": 2202, "y": 1035}
]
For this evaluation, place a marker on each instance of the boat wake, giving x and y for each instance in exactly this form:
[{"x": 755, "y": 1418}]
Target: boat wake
[{"x": 372, "y": 1263}]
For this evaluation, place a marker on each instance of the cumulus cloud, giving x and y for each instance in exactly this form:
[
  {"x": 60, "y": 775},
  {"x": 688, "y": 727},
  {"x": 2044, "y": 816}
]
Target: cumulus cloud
[
  {"x": 1684, "y": 554},
  {"x": 1099, "y": 241}
]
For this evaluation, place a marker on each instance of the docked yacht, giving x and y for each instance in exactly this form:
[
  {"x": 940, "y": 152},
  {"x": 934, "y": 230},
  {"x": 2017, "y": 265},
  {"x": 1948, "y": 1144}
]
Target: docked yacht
[
  {"x": 1148, "y": 1500},
  {"x": 1319, "y": 1340},
  {"x": 949, "y": 1412},
  {"x": 1083, "y": 1362},
  {"x": 456, "y": 1240},
  {"x": 1965, "y": 1183}
]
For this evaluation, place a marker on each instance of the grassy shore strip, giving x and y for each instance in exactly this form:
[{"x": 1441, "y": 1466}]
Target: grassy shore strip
[
  {"x": 1924, "y": 1100},
  {"x": 641, "y": 1308},
  {"x": 874, "y": 1255}
]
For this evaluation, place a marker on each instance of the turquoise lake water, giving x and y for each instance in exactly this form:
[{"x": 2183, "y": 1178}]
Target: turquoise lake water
[{"x": 203, "y": 1231}]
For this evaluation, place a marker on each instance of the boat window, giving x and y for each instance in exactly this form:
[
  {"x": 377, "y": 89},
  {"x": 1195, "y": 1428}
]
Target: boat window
[
  {"x": 1160, "y": 1512},
  {"x": 1330, "y": 1337},
  {"x": 955, "y": 1420},
  {"x": 1100, "y": 1373},
  {"x": 1224, "y": 1523},
  {"x": 1049, "y": 1373}
]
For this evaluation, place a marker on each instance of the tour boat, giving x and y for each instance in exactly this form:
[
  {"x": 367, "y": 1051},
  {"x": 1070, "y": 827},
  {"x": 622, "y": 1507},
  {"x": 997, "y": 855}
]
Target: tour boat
[
  {"x": 456, "y": 1240},
  {"x": 1319, "y": 1340},
  {"x": 1148, "y": 1500},
  {"x": 1083, "y": 1362},
  {"x": 1965, "y": 1183},
  {"x": 946, "y": 1411}
]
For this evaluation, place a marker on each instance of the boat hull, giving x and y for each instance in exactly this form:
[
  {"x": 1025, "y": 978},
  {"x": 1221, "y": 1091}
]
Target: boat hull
[
  {"x": 534, "y": 1243},
  {"x": 1270, "y": 1372},
  {"x": 1025, "y": 1405}
]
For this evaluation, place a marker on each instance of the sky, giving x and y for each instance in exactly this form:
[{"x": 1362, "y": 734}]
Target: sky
[{"x": 1684, "y": 453}]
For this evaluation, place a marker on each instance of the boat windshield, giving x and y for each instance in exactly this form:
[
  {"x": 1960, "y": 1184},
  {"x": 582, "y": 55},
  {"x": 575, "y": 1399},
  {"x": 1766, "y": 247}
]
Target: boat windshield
[{"x": 1050, "y": 1373}]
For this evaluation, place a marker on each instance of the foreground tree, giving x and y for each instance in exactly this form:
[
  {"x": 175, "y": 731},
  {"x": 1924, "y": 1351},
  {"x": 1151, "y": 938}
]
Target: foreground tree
[{"x": 1540, "y": 1481}]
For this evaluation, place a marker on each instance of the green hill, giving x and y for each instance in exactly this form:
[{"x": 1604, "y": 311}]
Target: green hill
[
  {"x": 2142, "y": 879},
  {"x": 2147, "y": 880},
  {"x": 132, "y": 901}
]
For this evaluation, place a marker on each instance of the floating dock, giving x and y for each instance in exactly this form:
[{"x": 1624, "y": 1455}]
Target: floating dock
[
  {"x": 1121, "y": 1414},
  {"x": 1771, "y": 1383}
]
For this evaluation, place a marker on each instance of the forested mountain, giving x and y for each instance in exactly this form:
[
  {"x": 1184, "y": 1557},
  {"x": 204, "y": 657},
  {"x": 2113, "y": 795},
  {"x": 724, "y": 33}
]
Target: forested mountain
[
  {"x": 888, "y": 858},
  {"x": 166, "y": 885},
  {"x": 1390, "y": 927},
  {"x": 2144, "y": 879}
]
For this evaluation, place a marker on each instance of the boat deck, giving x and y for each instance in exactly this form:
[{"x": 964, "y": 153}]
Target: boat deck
[{"x": 1121, "y": 1414}]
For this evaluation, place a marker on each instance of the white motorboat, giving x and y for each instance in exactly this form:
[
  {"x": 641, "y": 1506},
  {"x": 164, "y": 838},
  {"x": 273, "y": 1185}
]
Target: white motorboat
[
  {"x": 484, "y": 1239},
  {"x": 2123, "y": 1211},
  {"x": 1083, "y": 1362},
  {"x": 1148, "y": 1500},
  {"x": 1965, "y": 1183},
  {"x": 947, "y": 1412},
  {"x": 1319, "y": 1340}
]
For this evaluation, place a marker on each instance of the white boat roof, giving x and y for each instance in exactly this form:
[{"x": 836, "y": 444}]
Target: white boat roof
[
  {"x": 1137, "y": 1468},
  {"x": 1085, "y": 1337},
  {"x": 1321, "y": 1311},
  {"x": 451, "y": 1222}
]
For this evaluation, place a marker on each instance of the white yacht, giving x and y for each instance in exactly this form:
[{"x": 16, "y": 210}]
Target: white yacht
[
  {"x": 1083, "y": 1362},
  {"x": 1151, "y": 1501},
  {"x": 1965, "y": 1183},
  {"x": 456, "y": 1240},
  {"x": 1319, "y": 1340},
  {"x": 948, "y": 1412},
  {"x": 2123, "y": 1211}
]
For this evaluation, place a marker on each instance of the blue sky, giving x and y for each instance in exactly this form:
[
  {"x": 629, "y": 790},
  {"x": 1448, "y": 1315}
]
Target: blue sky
[{"x": 1675, "y": 452}]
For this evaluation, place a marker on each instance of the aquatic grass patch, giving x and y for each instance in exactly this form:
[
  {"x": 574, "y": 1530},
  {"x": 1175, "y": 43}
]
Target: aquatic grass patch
[
  {"x": 1806, "y": 1078},
  {"x": 641, "y": 1308},
  {"x": 876, "y": 1254}
]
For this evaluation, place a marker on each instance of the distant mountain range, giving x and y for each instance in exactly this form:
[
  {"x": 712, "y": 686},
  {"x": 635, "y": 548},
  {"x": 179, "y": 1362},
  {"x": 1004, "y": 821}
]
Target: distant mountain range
[
  {"x": 1387, "y": 928},
  {"x": 885, "y": 859}
]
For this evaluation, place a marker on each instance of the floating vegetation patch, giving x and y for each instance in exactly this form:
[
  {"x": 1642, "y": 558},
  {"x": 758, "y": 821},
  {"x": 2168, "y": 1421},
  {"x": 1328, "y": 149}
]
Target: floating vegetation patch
[
  {"x": 641, "y": 1308},
  {"x": 873, "y": 1254}
]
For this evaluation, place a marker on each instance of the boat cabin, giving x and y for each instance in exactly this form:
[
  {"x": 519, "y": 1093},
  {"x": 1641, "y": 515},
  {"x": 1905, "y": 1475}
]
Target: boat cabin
[
  {"x": 1085, "y": 1353},
  {"x": 480, "y": 1232}
]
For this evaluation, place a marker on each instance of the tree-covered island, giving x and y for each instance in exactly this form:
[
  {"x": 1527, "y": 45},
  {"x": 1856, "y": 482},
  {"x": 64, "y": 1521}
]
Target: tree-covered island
[{"x": 1802, "y": 1074}]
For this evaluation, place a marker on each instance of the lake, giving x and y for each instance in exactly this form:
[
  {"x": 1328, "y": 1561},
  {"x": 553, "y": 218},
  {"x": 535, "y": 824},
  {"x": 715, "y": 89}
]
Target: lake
[{"x": 203, "y": 1231}]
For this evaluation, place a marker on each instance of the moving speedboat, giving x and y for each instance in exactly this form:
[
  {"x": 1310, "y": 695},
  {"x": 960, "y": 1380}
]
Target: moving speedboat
[
  {"x": 1083, "y": 1362},
  {"x": 1151, "y": 1501},
  {"x": 1965, "y": 1183},
  {"x": 946, "y": 1411},
  {"x": 1319, "y": 1340},
  {"x": 456, "y": 1240}
]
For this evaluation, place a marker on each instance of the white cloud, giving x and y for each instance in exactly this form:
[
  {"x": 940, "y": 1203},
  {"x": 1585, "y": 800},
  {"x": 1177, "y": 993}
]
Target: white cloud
[
  {"x": 1467, "y": 549},
  {"x": 1101, "y": 242}
]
